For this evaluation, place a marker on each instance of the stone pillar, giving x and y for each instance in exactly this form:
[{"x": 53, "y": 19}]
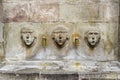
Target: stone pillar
[
  {"x": 1, "y": 32},
  {"x": 119, "y": 35}
]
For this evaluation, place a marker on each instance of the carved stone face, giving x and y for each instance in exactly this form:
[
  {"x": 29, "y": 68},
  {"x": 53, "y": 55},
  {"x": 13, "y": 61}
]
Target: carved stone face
[
  {"x": 60, "y": 36},
  {"x": 92, "y": 38},
  {"x": 27, "y": 36}
]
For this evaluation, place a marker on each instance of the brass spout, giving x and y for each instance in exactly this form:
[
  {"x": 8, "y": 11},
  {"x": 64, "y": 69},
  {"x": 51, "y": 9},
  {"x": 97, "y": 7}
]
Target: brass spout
[{"x": 76, "y": 39}]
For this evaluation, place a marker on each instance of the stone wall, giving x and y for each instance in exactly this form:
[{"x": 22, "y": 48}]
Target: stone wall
[
  {"x": 46, "y": 61},
  {"x": 78, "y": 16}
]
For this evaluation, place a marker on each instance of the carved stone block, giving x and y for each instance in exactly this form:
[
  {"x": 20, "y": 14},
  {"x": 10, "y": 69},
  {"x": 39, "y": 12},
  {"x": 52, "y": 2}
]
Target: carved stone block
[{"x": 34, "y": 11}]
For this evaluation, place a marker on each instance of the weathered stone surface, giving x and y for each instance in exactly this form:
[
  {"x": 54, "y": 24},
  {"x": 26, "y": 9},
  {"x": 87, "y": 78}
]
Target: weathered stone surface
[
  {"x": 18, "y": 77},
  {"x": 112, "y": 1},
  {"x": 102, "y": 12},
  {"x": 61, "y": 67},
  {"x": 54, "y": 77},
  {"x": 37, "y": 50},
  {"x": 2, "y": 55},
  {"x": 119, "y": 39},
  {"x": 1, "y": 32},
  {"x": 108, "y": 39},
  {"x": 66, "y": 1},
  {"x": 14, "y": 47},
  {"x": 0, "y": 1},
  {"x": 109, "y": 12},
  {"x": 89, "y": 1},
  {"x": 34, "y": 11},
  {"x": 107, "y": 45},
  {"x": 1, "y": 42},
  {"x": 82, "y": 12},
  {"x": 43, "y": 1},
  {"x": 1, "y": 12},
  {"x": 38, "y": 77},
  {"x": 78, "y": 16}
]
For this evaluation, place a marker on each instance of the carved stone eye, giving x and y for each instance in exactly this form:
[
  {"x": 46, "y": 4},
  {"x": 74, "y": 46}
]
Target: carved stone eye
[
  {"x": 96, "y": 33},
  {"x": 90, "y": 33}
]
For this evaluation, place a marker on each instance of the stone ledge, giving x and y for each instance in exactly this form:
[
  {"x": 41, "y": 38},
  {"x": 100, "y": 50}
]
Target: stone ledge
[
  {"x": 79, "y": 76},
  {"x": 60, "y": 67}
]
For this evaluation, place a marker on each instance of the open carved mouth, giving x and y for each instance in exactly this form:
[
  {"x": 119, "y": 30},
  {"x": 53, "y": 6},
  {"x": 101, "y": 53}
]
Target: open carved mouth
[
  {"x": 60, "y": 40},
  {"x": 93, "y": 41},
  {"x": 28, "y": 41}
]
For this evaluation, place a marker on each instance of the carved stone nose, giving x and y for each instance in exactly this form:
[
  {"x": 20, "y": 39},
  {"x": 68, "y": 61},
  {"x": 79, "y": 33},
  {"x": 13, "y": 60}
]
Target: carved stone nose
[
  {"x": 93, "y": 38},
  {"x": 60, "y": 37},
  {"x": 27, "y": 37}
]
